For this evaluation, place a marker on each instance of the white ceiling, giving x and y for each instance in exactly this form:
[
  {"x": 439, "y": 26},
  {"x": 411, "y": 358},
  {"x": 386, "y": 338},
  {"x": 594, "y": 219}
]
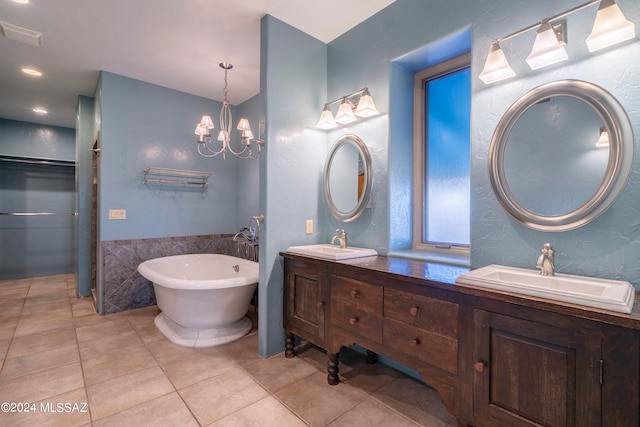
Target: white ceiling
[{"x": 172, "y": 43}]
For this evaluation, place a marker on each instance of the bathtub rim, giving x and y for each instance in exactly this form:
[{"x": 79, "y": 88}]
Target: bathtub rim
[{"x": 243, "y": 279}]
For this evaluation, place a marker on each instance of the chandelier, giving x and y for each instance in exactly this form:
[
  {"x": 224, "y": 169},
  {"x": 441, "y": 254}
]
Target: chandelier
[{"x": 249, "y": 148}]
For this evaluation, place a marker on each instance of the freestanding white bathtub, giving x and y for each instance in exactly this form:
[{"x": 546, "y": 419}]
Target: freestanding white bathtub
[{"x": 203, "y": 297}]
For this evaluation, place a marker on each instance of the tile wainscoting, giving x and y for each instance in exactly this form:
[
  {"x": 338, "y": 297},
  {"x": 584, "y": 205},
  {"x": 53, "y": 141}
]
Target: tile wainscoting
[{"x": 125, "y": 289}]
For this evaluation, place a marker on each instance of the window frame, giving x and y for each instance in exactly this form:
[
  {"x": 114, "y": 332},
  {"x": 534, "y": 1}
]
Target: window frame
[{"x": 419, "y": 156}]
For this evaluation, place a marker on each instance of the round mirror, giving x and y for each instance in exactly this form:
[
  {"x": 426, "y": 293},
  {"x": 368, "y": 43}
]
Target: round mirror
[
  {"x": 561, "y": 155},
  {"x": 348, "y": 177}
]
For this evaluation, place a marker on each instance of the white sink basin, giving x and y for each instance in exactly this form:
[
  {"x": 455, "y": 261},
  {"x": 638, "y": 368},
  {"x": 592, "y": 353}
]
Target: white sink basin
[
  {"x": 606, "y": 294},
  {"x": 331, "y": 252}
]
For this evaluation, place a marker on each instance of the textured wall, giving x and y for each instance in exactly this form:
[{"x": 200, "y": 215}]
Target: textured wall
[
  {"x": 144, "y": 125},
  {"x": 374, "y": 54},
  {"x": 292, "y": 87},
  {"x": 607, "y": 247}
]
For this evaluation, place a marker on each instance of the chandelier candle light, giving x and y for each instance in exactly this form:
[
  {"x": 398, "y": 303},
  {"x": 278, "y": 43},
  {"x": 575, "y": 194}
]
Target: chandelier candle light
[
  {"x": 250, "y": 147},
  {"x": 610, "y": 27}
]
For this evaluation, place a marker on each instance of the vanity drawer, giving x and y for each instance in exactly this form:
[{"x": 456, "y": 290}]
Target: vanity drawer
[
  {"x": 435, "y": 349},
  {"x": 357, "y": 294},
  {"x": 356, "y": 320},
  {"x": 438, "y": 316}
]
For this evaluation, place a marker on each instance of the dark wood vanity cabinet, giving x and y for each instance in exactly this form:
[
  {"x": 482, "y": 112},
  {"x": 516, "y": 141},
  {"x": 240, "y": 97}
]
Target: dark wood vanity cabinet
[
  {"x": 496, "y": 359},
  {"x": 304, "y": 302},
  {"x": 530, "y": 374}
]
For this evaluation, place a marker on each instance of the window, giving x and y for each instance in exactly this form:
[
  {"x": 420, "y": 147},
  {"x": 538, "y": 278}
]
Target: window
[{"x": 442, "y": 157}]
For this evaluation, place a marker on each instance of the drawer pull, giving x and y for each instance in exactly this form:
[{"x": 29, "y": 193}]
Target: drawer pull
[
  {"x": 413, "y": 311},
  {"x": 320, "y": 304},
  {"x": 354, "y": 293},
  {"x": 414, "y": 342},
  {"x": 353, "y": 321},
  {"x": 479, "y": 367}
]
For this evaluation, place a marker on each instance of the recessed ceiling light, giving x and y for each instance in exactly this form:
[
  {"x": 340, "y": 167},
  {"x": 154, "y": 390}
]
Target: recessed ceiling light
[
  {"x": 40, "y": 110},
  {"x": 32, "y": 72},
  {"x": 20, "y": 1}
]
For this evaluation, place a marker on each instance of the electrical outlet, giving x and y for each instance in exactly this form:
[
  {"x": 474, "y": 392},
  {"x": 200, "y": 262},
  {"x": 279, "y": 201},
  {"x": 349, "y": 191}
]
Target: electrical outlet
[
  {"x": 309, "y": 226},
  {"x": 117, "y": 214}
]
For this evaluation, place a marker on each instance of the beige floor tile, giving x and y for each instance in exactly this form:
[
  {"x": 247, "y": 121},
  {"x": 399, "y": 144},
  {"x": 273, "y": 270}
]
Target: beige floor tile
[
  {"x": 82, "y": 307},
  {"x": 26, "y": 364},
  {"x": 142, "y": 317},
  {"x": 217, "y": 397},
  {"x": 47, "y": 297},
  {"x": 150, "y": 333},
  {"x": 243, "y": 350},
  {"x": 264, "y": 413},
  {"x": 67, "y": 409},
  {"x": 197, "y": 367},
  {"x": 94, "y": 319},
  {"x": 370, "y": 413},
  {"x": 112, "y": 364},
  {"x": 167, "y": 410},
  {"x": 43, "y": 285},
  {"x": 41, "y": 342},
  {"x": 165, "y": 351},
  {"x": 39, "y": 328},
  {"x": 9, "y": 321},
  {"x": 121, "y": 342},
  {"x": 87, "y": 334},
  {"x": 278, "y": 372},
  {"x": 124, "y": 392},
  {"x": 318, "y": 403},
  {"x": 50, "y": 312},
  {"x": 415, "y": 400},
  {"x": 42, "y": 385}
]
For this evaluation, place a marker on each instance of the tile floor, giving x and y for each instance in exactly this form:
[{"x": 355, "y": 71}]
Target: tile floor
[{"x": 72, "y": 367}]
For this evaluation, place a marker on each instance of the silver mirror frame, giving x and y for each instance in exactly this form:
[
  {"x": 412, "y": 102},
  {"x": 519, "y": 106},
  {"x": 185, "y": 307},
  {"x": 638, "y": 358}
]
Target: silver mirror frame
[
  {"x": 619, "y": 167},
  {"x": 368, "y": 178}
]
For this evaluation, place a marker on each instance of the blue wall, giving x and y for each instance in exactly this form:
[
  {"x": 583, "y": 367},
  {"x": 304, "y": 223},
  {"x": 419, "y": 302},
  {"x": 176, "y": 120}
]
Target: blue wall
[
  {"x": 293, "y": 90},
  {"x": 37, "y": 245},
  {"x": 85, "y": 138},
  {"x": 144, "y": 125}
]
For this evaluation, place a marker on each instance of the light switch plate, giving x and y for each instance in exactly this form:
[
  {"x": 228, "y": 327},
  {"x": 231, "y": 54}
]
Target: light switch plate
[{"x": 117, "y": 214}]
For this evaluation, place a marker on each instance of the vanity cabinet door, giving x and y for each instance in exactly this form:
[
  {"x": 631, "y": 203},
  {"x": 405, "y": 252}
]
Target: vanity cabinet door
[
  {"x": 304, "y": 305},
  {"x": 530, "y": 374}
]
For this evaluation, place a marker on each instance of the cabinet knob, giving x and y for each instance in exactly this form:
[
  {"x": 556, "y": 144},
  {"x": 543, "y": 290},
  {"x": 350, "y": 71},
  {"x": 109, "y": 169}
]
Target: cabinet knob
[
  {"x": 353, "y": 321},
  {"x": 414, "y": 342},
  {"x": 320, "y": 304},
  {"x": 413, "y": 311},
  {"x": 479, "y": 367},
  {"x": 354, "y": 293}
]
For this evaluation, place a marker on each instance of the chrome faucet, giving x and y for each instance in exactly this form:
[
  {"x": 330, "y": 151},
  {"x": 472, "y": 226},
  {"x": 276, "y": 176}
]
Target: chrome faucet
[
  {"x": 341, "y": 237},
  {"x": 546, "y": 262}
]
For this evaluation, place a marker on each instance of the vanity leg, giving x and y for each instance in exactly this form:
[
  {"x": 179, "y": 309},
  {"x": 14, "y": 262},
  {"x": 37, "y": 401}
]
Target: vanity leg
[
  {"x": 332, "y": 369},
  {"x": 372, "y": 357},
  {"x": 289, "y": 351}
]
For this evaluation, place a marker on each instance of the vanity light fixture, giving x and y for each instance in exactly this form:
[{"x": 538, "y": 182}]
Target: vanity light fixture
[
  {"x": 610, "y": 27},
  {"x": 548, "y": 48},
  {"x": 357, "y": 104},
  {"x": 497, "y": 67},
  {"x": 250, "y": 147}
]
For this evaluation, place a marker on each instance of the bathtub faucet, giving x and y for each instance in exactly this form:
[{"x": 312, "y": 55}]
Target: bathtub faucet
[
  {"x": 249, "y": 234},
  {"x": 341, "y": 237}
]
